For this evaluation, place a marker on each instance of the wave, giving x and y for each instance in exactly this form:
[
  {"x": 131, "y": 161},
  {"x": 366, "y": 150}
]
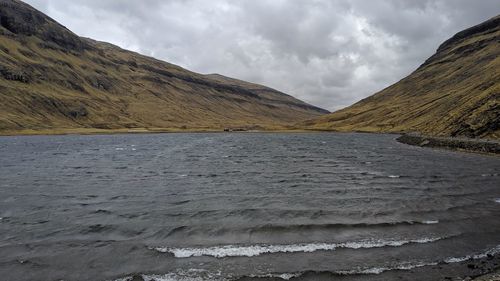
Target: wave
[
  {"x": 277, "y": 227},
  {"x": 283, "y": 276},
  {"x": 256, "y": 250},
  {"x": 190, "y": 275},
  {"x": 490, "y": 252},
  {"x": 180, "y": 275},
  {"x": 378, "y": 270},
  {"x": 204, "y": 275},
  {"x": 312, "y": 214},
  {"x": 357, "y": 271}
]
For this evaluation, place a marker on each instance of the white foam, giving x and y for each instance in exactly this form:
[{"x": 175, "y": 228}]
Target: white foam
[
  {"x": 358, "y": 271},
  {"x": 497, "y": 200},
  {"x": 256, "y": 250},
  {"x": 203, "y": 275},
  {"x": 284, "y": 276},
  {"x": 456, "y": 259},
  {"x": 492, "y": 251},
  {"x": 412, "y": 265},
  {"x": 119, "y": 148},
  {"x": 430, "y": 222},
  {"x": 288, "y": 276},
  {"x": 171, "y": 277},
  {"x": 394, "y": 176},
  {"x": 248, "y": 251},
  {"x": 189, "y": 275},
  {"x": 378, "y": 270}
]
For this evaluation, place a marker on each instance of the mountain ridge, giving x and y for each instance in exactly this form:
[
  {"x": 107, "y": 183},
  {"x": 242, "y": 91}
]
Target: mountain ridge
[
  {"x": 52, "y": 79},
  {"x": 455, "y": 92}
]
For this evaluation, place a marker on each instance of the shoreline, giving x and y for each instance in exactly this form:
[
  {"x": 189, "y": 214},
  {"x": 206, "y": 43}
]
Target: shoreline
[
  {"x": 95, "y": 131},
  {"x": 482, "y": 146}
]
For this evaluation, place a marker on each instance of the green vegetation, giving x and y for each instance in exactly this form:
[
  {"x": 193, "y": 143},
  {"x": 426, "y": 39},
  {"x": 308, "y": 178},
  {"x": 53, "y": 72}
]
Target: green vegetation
[
  {"x": 456, "y": 92},
  {"x": 52, "y": 81}
]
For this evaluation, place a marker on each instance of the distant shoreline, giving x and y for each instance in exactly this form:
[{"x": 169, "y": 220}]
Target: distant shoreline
[
  {"x": 458, "y": 144},
  {"x": 95, "y": 131},
  {"x": 242, "y": 129}
]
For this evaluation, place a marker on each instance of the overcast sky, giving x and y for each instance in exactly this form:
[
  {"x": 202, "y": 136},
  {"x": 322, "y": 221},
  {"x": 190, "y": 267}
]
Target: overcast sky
[{"x": 330, "y": 53}]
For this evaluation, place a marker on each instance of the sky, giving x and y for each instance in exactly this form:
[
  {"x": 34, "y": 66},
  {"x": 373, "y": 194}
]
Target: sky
[{"x": 330, "y": 53}]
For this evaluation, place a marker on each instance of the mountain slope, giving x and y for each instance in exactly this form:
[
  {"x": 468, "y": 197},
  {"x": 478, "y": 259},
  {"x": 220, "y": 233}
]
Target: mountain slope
[
  {"x": 51, "y": 79},
  {"x": 456, "y": 92}
]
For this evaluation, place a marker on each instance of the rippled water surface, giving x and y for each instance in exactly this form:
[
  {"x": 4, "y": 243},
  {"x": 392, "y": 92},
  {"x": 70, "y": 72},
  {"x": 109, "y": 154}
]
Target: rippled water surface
[{"x": 319, "y": 206}]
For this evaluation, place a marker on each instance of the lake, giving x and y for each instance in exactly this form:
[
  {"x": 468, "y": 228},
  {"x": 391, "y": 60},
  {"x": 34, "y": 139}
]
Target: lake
[{"x": 244, "y": 206}]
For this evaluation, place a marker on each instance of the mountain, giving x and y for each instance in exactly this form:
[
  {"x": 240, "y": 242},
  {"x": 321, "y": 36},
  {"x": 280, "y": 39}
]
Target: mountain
[
  {"x": 456, "y": 92},
  {"x": 52, "y": 80}
]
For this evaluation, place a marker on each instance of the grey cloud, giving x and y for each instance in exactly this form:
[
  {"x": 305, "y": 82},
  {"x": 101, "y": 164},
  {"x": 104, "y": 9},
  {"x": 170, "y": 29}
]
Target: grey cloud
[{"x": 331, "y": 53}]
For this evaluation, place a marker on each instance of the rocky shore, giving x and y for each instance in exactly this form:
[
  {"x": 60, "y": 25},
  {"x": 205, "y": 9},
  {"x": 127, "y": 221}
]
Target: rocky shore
[
  {"x": 483, "y": 269},
  {"x": 462, "y": 144},
  {"x": 495, "y": 276}
]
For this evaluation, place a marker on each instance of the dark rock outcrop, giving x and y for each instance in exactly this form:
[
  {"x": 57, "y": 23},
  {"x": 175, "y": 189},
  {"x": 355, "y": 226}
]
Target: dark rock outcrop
[
  {"x": 463, "y": 144},
  {"x": 22, "y": 20}
]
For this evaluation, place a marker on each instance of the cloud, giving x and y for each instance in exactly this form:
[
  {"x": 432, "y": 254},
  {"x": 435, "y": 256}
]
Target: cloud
[{"x": 330, "y": 53}]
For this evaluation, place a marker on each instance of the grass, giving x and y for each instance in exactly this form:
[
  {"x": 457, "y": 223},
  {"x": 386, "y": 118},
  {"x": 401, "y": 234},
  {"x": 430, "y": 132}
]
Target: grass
[
  {"x": 455, "y": 93},
  {"x": 94, "y": 131},
  {"x": 105, "y": 88}
]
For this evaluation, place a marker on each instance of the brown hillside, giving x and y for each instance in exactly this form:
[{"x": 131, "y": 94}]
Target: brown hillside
[
  {"x": 51, "y": 79},
  {"x": 456, "y": 92}
]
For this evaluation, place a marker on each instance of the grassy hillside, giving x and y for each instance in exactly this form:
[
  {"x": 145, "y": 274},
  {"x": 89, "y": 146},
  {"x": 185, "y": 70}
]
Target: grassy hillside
[
  {"x": 456, "y": 92},
  {"x": 54, "y": 81}
]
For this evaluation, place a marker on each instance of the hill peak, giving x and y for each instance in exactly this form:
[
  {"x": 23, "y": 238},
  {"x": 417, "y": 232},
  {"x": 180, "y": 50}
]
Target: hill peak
[
  {"x": 456, "y": 92},
  {"x": 53, "y": 80},
  {"x": 19, "y": 18}
]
